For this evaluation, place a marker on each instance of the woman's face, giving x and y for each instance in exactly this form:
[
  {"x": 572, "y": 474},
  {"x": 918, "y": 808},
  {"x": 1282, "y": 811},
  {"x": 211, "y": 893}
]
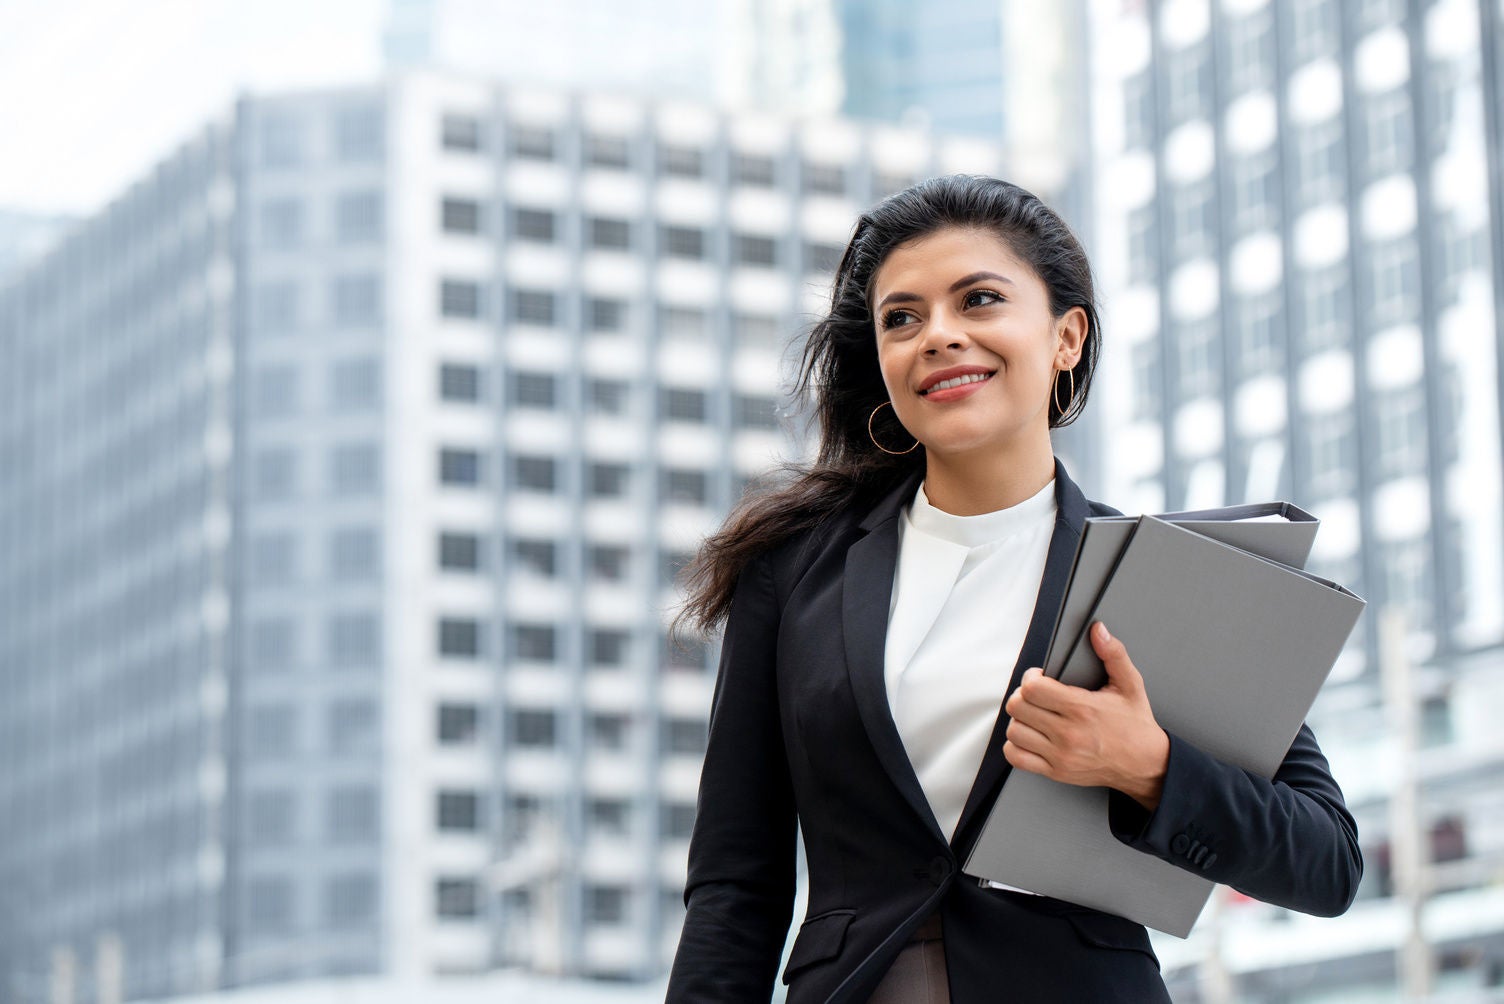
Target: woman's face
[{"x": 967, "y": 346}]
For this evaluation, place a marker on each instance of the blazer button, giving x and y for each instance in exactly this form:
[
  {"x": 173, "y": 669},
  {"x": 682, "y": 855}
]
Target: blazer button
[
  {"x": 939, "y": 871},
  {"x": 1211, "y": 859},
  {"x": 1180, "y": 844}
]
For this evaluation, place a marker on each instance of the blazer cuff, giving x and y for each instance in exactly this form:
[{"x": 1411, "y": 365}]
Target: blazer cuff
[{"x": 1188, "y": 771}]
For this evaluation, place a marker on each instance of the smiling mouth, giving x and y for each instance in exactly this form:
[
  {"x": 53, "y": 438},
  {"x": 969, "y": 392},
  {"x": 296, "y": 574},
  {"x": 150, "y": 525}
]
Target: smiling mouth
[{"x": 958, "y": 382}]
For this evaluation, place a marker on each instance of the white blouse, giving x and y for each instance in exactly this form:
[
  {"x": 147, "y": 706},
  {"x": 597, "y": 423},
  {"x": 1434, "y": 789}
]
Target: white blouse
[{"x": 963, "y": 594}]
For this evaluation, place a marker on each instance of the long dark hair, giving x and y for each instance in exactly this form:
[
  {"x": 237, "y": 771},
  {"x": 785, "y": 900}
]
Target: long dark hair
[{"x": 839, "y": 372}]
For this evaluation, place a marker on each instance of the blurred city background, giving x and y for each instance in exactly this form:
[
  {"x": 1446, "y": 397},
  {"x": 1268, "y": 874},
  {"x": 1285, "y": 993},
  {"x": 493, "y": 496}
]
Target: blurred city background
[{"x": 369, "y": 368}]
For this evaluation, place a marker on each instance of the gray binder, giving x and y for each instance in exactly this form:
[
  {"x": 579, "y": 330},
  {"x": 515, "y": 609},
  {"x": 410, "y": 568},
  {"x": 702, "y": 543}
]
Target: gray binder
[{"x": 1233, "y": 647}]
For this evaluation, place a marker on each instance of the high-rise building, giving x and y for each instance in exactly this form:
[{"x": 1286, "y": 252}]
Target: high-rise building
[
  {"x": 1299, "y": 232},
  {"x": 350, "y": 457}
]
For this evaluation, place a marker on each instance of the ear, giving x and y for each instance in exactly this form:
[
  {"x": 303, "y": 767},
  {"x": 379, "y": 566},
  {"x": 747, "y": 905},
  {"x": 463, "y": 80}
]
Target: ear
[{"x": 1070, "y": 332}]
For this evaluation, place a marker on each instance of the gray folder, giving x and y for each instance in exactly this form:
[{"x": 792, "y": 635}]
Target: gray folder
[{"x": 1233, "y": 647}]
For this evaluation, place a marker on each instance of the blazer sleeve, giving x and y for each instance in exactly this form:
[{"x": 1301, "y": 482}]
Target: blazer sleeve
[
  {"x": 740, "y": 889},
  {"x": 1289, "y": 840}
]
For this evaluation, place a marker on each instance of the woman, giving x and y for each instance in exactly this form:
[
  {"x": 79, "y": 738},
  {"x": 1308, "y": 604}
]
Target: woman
[{"x": 883, "y": 614}]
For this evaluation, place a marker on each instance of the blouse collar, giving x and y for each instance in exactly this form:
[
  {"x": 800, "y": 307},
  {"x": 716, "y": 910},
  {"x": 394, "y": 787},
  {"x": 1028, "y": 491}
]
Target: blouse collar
[{"x": 987, "y": 527}]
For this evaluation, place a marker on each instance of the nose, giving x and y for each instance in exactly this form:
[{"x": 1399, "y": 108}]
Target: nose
[{"x": 943, "y": 330}]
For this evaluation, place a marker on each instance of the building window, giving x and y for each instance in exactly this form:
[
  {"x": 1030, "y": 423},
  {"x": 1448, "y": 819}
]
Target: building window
[
  {"x": 887, "y": 183},
  {"x": 534, "y": 642},
  {"x": 268, "y": 904},
  {"x": 359, "y": 134},
  {"x": 534, "y": 306},
  {"x": 1394, "y": 274},
  {"x": 459, "y": 552},
  {"x": 458, "y": 724},
  {"x": 1387, "y": 127},
  {"x": 1193, "y": 207},
  {"x": 680, "y": 404},
  {"x": 677, "y": 820},
  {"x": 605, "y": 315},
  {"x": 459, "y": 638},
  {"x": 354, "y": 553},
  {"x": 354, "y": 727},
  {"x": 459, "y": 298},
  {"x": 354, "y": 640},
  {"x": 1259, "y": 333},
  {"x": 274, "y": 473},
  {"x": 271, "y": 732},
  {"x": 673, "y": 562},
  {"x": 759, "y": 330},
  {"x": 352, "y": 814},
  {"x": 1250, "y": 51},
  {"x": 270, "y": 821},
  {"x": 1188, "y": 78},
  {"x": 1401, "y": 435},
  {"x": 358, "y": 217},
  {"x": 753, "y": 169},
  {"x": 350, "y": 900},
  {"x": 458, "y": 382},
  {"x": 276, "y": 307},
  {"x": 607, "y": 731},
  {"x": 281, "y": 223},
  {"x": 535, "y": 474},
  {"x": 608, "y": 647},
  {"x": 608, "y": 480},
  {"x": 608, "y": 234},
  {"x": 606, "y": 905},
  {"x": 459, "y": 467},
  {"x": 683, "y": 653},
  {"x": 532, "y": 728},
  {"x": 755, "y": 250},
  {"x": 1138, "y": 111},
  {"x": 456, "y": 899},
  {"x": 355, "y": 468},
  {"x": 608, "y": 151},
  {"x": 1147, "y": 380},
  {"x": 273, "y": 644},
  {"x": 534, "y": 142},
  {"x": 683, "y": 242},
  {"x": 460, "y": 133},
  {"x": 1196, "y": 342},
  {"x": 1255, "y": 191},
  {"x": 1332, "y": 459},
  {"x": 538, "y": 225},
  {"x": 1408, "y": 579},
  {"x": 457, "y": 811},
  {"x": 608, "y": 817},
  {"x": 1324, "y": 306},
  {"x": 357, "y": 300},
  {"x": 683, "y": 735},
  {"x": 1143, "y": 244},
  {"x": 534, "y": 390},
  {"x": 681, "y": 161},
  {"x": 607, "y": 397},
  {"x": 274, "y": 558},
  {"x": 752, "y": 412},
  {"x": 1320, "y": 164},
  {"x": 822, "y": 258},
  {"x": 354, "y": 384},
  {"x": 685, "y": 485},
  {"x": 459, "y": 216},
  {"x": 276, "y": 390},
  {"x": 281, "y": 140},
  {"x": 822, "y": 179},
  {"x": 536, "y": 557},
  {"x": 688, "y": 323},
  {"x": 1313, "y": 28},
  {"x": 608, "y": 562}
]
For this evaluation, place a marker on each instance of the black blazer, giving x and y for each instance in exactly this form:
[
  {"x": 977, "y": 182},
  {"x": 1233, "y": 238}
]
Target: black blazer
[{"x": 801, "y": 731}]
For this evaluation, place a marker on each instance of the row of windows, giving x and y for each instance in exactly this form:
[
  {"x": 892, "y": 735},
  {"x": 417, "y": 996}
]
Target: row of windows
[
  {"x": 351, "y": 815},
  {"x": 466, "y": 638},
  {"x": 602, "y": 479},
  {"x": 463, "y": 811},
  {"x": 354, "y": 300},
  {"x": 358, "y": 217},
  {"x": 348, "y": 900},
  {"x": 291, "y": 138},
  {"x": 468, "y": 134}
]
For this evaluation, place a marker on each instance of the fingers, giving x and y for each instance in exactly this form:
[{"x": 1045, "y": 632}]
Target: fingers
[
  {"x": 1041, "y": 692},
  {"x": 1114, "y": 656},
  {"x": 1024, "y": 759},
  {"x": 1027, "y": 737}
]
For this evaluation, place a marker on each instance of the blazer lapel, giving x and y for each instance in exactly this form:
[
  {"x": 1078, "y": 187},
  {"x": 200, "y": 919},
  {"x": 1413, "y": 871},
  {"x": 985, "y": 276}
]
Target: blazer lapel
[
  {"x": 1070, "y": 516},
  {"x": 866, "y": 592}
]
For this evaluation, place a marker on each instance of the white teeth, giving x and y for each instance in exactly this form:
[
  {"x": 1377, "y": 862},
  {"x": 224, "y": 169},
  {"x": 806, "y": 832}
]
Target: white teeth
[{"x": 958, "y": 381}]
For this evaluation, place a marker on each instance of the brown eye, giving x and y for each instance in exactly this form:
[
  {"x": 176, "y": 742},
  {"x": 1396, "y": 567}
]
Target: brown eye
[
  {"x": 897, "y": 318},
  {"x": 981, "y": 298}
]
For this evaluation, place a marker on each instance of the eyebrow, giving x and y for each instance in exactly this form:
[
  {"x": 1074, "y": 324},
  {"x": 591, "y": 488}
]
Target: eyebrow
[{"x": 898, "y": 296}]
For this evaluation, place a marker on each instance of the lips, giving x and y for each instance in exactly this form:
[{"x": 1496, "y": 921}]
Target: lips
[{"x": 956, "y": 376}]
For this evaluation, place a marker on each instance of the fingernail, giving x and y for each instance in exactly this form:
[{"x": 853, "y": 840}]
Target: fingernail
[{"x": 1102, "y": 631}]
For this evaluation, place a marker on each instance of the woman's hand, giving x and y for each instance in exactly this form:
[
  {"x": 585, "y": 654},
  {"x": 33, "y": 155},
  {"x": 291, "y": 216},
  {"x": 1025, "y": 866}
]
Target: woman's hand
[{"x": 1105, "y": 737}]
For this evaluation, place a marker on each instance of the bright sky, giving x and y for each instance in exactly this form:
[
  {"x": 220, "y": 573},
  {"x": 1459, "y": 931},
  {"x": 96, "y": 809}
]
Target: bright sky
[{"x": 93, "y": 92}]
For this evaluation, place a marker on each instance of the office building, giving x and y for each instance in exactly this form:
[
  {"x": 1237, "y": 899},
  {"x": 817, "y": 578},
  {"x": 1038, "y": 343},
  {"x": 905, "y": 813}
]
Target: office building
[
  {"x": 1299, "y": 233},
  {"x": 350, "y": 458}
]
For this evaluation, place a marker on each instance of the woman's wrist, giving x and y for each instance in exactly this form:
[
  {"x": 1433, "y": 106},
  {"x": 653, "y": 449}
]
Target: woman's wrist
[{"x": 1145, "y": 784}]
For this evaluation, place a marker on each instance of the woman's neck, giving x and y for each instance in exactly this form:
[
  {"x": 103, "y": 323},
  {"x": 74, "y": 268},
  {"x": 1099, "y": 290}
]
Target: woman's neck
[{"x": 969, "y": 485}]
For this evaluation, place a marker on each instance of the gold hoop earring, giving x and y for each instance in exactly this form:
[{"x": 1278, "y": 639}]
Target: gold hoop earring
[
  {"x": 1055, "y": 393},
  {"x": 880, "y": 446}
]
